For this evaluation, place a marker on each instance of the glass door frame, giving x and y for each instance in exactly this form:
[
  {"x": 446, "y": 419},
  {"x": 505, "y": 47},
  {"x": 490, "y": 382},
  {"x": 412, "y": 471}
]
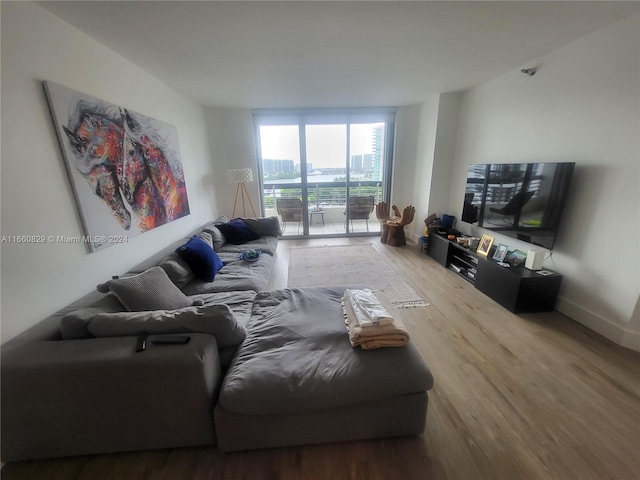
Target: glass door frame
[{"x": 306, "y": 117}]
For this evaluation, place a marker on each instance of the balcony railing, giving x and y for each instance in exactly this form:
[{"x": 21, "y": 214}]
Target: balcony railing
[
  {"x": 330, "y": 198},
  {"x": 322, "y": 194}
]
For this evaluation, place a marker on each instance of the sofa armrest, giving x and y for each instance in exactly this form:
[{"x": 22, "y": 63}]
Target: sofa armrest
[{"x": 98, "y": 395}]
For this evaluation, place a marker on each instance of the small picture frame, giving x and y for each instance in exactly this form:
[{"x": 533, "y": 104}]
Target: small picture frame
[
  {"x": 485, "y": 245},
  {"x": 501, "y": 252},
  {"x": 516, "y": 257}
]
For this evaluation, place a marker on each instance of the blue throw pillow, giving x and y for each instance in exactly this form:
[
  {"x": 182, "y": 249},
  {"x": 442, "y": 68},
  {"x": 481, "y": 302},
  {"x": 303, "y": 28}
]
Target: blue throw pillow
[
  {"x": 237, "y": 232},
  {"x": 204, "y": 262}
]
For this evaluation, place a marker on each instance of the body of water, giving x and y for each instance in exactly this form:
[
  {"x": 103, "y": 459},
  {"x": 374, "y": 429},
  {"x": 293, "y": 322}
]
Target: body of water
[{"x": 311, "y": 179}]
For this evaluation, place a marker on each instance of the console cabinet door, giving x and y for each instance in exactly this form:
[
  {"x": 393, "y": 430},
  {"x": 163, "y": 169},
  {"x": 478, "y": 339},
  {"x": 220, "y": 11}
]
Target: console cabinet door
[
  {"x": 518, "y": 289},
  {"x": 439, "y": 249},
  {"x": 498, "y": 283}
]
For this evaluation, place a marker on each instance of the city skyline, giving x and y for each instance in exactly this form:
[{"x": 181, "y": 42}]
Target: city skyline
[
  {"x": 326, "y": 144},
  {"x": 358, "y": 162}
]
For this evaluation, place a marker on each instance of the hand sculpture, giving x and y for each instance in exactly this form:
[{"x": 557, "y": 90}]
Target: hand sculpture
[
  {"x": 393, "y": 226},
  {"x": 405, "y": 218},
  {"x": 382, "y": 212}
]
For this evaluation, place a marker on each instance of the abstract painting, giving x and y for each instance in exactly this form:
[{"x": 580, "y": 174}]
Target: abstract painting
[{"x": 125, "y": 168}]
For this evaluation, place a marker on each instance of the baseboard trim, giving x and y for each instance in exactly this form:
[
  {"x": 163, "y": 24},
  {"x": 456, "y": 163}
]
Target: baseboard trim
[{"x": 606, "y": 328}]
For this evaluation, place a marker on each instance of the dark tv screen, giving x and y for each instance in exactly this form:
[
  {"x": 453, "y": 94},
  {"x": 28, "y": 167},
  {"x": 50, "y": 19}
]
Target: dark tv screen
[{"x": 520, "y": 200}]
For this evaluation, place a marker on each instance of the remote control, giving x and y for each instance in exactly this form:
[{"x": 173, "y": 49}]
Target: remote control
[
  {"x": 141, "y": 344},
  {"x": 171, "y": 340}
]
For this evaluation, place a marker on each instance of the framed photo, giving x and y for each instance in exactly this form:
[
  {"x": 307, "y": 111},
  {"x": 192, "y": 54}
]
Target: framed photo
[
  {"x": 501, "y": 252},
  {"x": 515, "y": 258},
  {"x": 485, "y": 245}
]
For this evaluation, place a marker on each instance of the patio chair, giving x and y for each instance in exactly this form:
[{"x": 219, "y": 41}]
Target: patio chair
[
  {"x": 513, "y": 207},
  {"x": 290, "y": 210},
  {"x": 359, "y": 208}
]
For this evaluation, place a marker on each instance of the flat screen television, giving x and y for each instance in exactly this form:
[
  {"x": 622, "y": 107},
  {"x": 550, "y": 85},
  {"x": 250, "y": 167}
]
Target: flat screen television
[{"x": 520, "y": 200}]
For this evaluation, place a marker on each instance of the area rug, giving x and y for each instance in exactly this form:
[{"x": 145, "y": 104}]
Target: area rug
[{"x": 352, "y": 264}]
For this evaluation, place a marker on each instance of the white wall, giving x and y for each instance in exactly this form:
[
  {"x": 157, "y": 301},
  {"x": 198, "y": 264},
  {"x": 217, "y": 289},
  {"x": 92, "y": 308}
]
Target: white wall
[
  {"x": 424, "y": 157},
  {"x": 231, "y": 138},
  {"x": 444, "y": 154},
  {"x": 36, "y": 196},
  {"x": 413, "y": 160},
  {"x": 582, "y": 106}
]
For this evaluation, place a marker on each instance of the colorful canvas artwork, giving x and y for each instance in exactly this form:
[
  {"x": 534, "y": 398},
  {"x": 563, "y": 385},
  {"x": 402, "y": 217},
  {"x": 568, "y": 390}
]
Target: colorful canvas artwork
[{"x": 125, "y": 168}]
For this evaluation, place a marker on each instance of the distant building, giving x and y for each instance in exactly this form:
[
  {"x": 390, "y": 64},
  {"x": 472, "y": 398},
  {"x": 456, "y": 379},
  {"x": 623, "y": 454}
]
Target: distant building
[
  {"x": 275, "y": 166},
  {"x": 378, "y": 152},
  {"x": 367, "y": 162},
  {"x": 356, "y": 163}
]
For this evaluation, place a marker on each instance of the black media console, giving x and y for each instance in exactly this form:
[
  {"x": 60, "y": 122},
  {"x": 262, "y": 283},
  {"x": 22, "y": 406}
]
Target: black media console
[{"x": 515, "y": 288}]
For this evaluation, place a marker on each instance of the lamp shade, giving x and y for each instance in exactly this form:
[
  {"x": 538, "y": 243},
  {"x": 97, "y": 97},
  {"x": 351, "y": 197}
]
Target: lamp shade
[{"x": 240, "y": 175}]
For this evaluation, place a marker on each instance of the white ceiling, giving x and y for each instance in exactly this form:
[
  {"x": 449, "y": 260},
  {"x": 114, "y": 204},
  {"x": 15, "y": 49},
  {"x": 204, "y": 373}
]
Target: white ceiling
[{"x": 319, "y": 54}]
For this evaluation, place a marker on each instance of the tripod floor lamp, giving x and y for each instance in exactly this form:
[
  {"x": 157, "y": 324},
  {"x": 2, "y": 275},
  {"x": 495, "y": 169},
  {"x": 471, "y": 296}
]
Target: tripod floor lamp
[{"x": 241, "y": 176}]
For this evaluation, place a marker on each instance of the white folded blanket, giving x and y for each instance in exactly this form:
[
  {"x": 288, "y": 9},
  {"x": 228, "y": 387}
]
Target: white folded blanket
[
  {"x": 377, "y": 336},
  {"x": 368, "y": 309}
]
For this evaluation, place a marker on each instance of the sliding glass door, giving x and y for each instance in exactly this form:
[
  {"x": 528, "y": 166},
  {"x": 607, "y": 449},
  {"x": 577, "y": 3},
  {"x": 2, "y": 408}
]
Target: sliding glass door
[
  {"x": 280, "y": 167},
  {"x": 323, "y": 172}
]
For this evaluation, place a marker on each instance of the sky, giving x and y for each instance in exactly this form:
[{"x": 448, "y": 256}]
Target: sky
[{"x": 326, "y": 144}]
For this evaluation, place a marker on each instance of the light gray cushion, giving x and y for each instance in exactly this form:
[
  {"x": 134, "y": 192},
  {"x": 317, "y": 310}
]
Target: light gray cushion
[
  {"x": 73, "y": 325},
  {"x": 217, "y": 320},
  {"x": 150, "y": 290},
  {"x": 206, "y": 237},
  {"x": 217, "y": 237},
  {"x": 240, "y": 303},
  {"x": 178, "y": 270}
]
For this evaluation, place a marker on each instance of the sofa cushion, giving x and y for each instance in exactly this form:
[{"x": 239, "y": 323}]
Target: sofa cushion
[
  {"x": 237, "y": 232},
  {"x": 73, "y": 325},
  {"x": 150, "y": 290},
  {"x": 177, "y": 269},
  {"x": 269, "y": 226},
  {"x": 267, "y": 244},
  {"x": 201, "y": 257},
  {"x": 297, "y": 358},
  {"x": 236, "y": 275},
  {"x": 206, "y": 237},
  {"x": 216, "y": 235},
  {"x": 216, "y": 319},
  {"x": 240, "y": 303}
]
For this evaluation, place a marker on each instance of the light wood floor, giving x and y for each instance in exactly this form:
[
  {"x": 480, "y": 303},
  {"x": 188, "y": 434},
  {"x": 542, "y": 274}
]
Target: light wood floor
[{"x": 515, "y": 397}]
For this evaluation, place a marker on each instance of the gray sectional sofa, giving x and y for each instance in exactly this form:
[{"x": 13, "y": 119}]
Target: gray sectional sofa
[
  {"x": 74, "y": 384},
  {"x": 297, "y": 380}
]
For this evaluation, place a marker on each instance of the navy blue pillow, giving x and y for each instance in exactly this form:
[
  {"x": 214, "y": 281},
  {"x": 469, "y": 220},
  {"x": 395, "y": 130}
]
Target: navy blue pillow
[
  {"x": 204, "y": 262},
  {"x": 237, "y": 232}
]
